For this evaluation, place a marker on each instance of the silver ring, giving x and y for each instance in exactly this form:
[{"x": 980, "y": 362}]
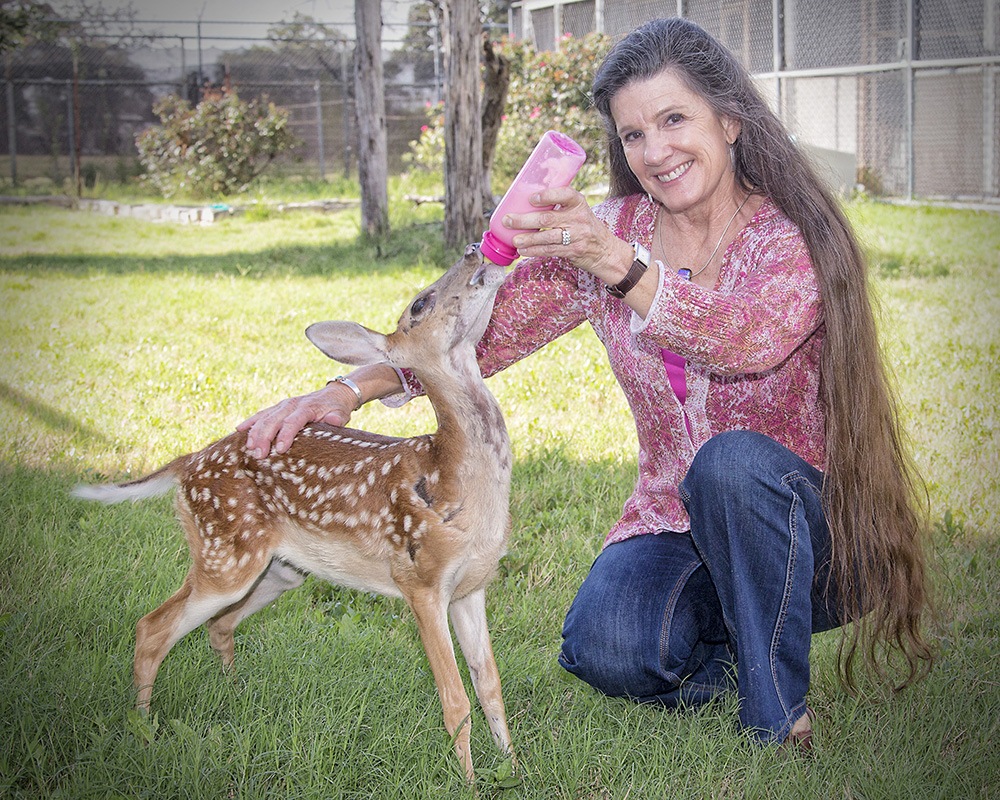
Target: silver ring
[{"x": 565, "y": 237}]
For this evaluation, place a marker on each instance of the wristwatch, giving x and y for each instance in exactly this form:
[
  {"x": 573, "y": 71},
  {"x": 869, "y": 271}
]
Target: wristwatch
[{"x": 639, "y": 266}]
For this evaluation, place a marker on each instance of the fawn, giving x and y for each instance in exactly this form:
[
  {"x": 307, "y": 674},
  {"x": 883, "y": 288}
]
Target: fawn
[{"x": 425, "y": 518}]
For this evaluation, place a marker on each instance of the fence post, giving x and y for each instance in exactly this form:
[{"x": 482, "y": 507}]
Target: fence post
[
  {"x": 991, "y": 188},
  {"x": 183, "y": 82},
  {"x": 909, "y": 99},
  {"x": 347, "y": 111},
  {"x": 438, "y": 82},
  {"x": 319, "y": 132},
  {"x": 201, "y": 77},
  {"x": 11, "y": 127},
  {"x": 77, "y": 143},
  {"x": 778, "y": 52},
  {"x": 70, "y": 129}
]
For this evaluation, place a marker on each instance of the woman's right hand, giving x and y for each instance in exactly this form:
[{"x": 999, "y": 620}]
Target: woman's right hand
[{"x": 278, "y": 425}]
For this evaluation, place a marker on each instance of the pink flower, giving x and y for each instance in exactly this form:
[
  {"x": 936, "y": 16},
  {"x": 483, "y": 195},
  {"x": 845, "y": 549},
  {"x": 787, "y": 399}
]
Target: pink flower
[{"x": 536, "y": 112}]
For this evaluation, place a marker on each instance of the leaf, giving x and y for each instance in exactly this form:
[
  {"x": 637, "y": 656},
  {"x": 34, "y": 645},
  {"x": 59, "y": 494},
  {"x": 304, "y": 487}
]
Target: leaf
[{"x": 143, "y": 726}]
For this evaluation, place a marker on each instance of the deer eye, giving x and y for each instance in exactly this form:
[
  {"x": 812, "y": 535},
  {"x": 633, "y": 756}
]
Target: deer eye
[{"x": 421, "y": 304}]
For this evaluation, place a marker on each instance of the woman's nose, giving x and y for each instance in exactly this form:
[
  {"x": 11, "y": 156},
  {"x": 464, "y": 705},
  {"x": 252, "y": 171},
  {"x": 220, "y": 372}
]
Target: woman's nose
[{"x": 657, "y": 149}]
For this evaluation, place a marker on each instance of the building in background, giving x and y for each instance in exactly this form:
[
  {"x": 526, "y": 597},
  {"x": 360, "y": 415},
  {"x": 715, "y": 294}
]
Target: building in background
[
  {"x": 901, "y": 96},
  {"x": 904, "y": 93}
]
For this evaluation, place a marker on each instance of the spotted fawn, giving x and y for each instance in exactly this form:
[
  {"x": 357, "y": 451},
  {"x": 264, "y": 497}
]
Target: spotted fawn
[{"x": 423, "y": 518}]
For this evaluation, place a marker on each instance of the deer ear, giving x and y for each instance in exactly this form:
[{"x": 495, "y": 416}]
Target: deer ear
[{"x": 349, "y": 342}]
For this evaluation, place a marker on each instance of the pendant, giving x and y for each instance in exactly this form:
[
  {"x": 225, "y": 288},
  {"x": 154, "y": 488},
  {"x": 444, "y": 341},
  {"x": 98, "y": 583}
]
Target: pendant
[{"x": 685, "y": 273}]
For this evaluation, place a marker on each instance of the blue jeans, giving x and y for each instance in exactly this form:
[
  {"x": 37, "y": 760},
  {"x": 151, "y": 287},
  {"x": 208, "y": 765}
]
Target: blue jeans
[{"x": 669, "y": 618}]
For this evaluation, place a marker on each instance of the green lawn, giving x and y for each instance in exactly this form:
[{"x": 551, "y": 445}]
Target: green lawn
[{"x": 125, "y": 343}]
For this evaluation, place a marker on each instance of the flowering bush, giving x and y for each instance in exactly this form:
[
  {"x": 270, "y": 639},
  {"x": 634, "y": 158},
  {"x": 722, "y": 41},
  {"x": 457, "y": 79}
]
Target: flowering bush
[
  {"x": 216, "y": 148},
  {"x": 426, "y": 154},
  {"x": 548, "y": 90}
]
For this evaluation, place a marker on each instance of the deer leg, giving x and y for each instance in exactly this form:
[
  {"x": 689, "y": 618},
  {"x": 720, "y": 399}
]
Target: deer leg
[
  {"x": 432, "y": 622},
  {"x": 468, "y": 616},
  {"x": 278, "y": 578},
  {"x": 161, "y": 629}
]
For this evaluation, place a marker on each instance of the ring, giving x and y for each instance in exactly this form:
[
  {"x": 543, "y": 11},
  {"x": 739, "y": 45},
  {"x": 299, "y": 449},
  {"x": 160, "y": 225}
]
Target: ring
[{"x": 565, "y": 237}]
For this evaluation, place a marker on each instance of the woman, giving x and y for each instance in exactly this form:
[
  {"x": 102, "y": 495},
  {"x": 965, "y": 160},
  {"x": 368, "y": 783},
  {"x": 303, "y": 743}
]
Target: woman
[{"x": 774, "y": 496}]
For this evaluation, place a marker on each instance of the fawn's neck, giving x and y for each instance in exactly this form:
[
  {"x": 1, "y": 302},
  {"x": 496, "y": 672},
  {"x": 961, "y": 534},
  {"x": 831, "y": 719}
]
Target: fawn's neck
[{"x": 471, "y": 428}]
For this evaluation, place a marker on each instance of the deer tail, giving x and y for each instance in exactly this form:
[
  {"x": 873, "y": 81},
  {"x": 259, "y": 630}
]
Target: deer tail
[{"x": 153, "y": 485}]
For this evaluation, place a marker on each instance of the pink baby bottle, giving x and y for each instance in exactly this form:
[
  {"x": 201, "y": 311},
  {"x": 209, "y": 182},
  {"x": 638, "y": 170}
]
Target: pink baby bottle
[{"x": 553, "y": 162}]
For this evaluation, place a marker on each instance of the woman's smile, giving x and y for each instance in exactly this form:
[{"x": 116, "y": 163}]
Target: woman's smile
[{"x": 675, "y": 173}]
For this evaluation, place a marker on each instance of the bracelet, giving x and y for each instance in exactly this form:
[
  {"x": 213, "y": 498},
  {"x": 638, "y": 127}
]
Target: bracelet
[{"x": 350, "y": 385}]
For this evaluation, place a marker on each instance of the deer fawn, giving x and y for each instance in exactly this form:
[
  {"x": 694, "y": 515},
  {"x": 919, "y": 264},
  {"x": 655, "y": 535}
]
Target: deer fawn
[{"x": 425, "y": 518}]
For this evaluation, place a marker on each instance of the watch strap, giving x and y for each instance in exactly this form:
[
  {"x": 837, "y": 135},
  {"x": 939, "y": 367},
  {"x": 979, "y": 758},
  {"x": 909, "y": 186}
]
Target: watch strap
[{"x": 635, "y": 272}]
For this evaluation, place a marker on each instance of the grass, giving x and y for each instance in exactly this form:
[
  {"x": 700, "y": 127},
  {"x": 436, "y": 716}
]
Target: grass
[{"x": 123, "y": 343}]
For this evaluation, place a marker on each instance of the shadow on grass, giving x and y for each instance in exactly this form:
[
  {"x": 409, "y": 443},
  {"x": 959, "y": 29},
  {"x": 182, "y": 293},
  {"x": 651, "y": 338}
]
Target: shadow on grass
[
  {"x": 403, "y": 249},
  {"x": 890, "y": 264},
  {"x": 47, "y": 415}
]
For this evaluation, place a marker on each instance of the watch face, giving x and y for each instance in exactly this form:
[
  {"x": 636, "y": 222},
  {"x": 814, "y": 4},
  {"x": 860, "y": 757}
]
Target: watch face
[{"x": 642, "y": 254}]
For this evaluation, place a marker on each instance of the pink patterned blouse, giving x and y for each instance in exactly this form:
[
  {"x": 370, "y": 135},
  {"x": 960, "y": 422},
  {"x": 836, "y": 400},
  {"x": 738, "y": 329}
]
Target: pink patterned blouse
[{"x": 751, "y": 347}]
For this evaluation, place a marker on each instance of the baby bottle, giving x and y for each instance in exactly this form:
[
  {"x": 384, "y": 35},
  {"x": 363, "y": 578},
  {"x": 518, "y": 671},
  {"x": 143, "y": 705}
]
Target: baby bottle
[{"x": 553, "y": 162}]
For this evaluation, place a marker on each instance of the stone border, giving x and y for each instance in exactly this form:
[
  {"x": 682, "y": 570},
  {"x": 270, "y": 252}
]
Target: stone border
[
  {"x": 183, "y": 215},
  {"x": 152, "y": 212}
]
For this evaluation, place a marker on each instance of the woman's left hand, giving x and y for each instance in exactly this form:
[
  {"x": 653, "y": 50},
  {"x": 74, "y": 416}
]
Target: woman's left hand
[{"x": 572, "y": 231}]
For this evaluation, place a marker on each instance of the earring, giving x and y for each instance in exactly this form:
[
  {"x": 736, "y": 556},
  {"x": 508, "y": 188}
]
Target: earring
[{"x": 732, "y": 155}]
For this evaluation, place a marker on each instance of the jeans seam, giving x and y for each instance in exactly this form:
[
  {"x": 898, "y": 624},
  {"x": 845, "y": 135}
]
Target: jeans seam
[
  {"x": 798, "y": 477},
  {"x": 793, "y": 546},
  {"x": 668, "y": 615}
]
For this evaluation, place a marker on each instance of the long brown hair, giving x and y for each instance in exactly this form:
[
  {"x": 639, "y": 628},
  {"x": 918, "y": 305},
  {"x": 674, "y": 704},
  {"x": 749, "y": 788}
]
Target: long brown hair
[{"x": 873, "y": 497}]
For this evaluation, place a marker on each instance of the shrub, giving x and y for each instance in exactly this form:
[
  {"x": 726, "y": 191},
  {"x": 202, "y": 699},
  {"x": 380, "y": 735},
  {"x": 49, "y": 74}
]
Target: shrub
[
  {"x": 216, "y": 148},
  {"x": 548, "y": 89}
]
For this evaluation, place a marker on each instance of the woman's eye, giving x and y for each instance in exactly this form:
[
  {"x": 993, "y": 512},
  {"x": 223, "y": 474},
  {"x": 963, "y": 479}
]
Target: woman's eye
[{"x": 631, "y": 136}]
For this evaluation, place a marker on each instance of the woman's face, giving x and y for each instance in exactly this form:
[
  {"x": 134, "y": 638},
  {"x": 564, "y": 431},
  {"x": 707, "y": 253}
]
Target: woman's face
[{"x": 674, "y": 142}]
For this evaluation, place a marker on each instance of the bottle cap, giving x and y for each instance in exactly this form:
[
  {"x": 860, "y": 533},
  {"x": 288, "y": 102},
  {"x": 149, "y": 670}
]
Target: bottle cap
[{"x": 497, "y": 250}]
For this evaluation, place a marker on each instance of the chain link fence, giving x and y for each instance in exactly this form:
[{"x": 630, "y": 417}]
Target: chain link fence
[
  {"x": 902, "y": 96},
  {"x": 87, "y": 98}
]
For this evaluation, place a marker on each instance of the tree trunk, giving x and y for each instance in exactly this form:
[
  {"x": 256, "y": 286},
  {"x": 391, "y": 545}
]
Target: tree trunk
[
  {"x": 496, "y": 79},
  {"x": 373, "y": 158},
  {"x": 463, "y": 136}
]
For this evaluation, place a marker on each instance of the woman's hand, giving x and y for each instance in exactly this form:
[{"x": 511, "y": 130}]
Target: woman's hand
[
  {"x": 572, "y": 231},
  {"x": 279, "y": 424},
  {"x": 334, "y": 403},
  {"x": 592, "y": 246}
]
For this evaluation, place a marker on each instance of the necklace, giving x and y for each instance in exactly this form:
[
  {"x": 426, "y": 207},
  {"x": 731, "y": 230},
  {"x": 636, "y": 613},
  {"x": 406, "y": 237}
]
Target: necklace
[{"x": 684, "y": 272}]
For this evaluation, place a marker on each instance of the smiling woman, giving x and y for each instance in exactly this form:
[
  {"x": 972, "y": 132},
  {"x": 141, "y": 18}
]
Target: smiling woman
[{"x": 687, "y": 129}]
